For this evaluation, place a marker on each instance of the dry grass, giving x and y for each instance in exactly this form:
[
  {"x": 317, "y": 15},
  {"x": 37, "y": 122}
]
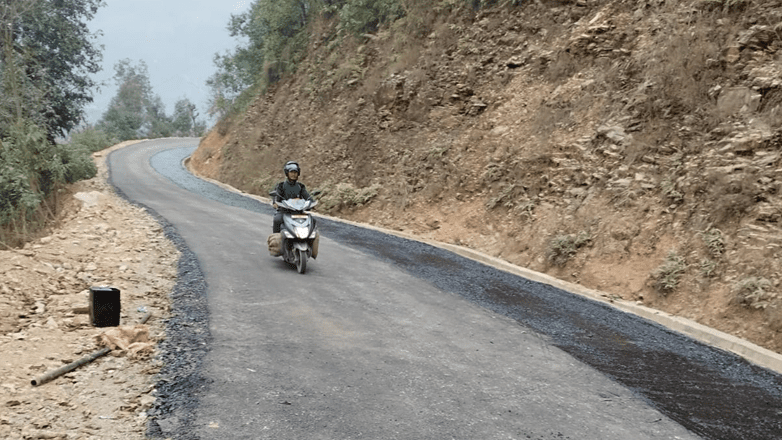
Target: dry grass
[
  {"x": 667, "y": 276},
  {"x": 753, "y": 292},
  {"x": 563, "y": 247},
  {"x": 713, "y": 240}
]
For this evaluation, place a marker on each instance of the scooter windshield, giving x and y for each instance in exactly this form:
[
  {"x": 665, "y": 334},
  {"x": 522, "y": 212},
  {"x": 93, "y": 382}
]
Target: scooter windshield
[{"x": 297, "y": 204}]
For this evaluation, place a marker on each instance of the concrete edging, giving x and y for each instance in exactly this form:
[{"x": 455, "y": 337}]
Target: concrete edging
[{"x": 751, "y": 352}]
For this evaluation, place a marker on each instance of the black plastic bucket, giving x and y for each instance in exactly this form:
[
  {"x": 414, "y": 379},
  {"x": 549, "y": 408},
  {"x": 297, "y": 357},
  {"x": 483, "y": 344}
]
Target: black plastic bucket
[{"x": 104, "y": 306}]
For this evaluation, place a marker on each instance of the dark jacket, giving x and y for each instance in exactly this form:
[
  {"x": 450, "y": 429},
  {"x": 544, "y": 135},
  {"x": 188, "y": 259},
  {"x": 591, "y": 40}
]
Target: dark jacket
[{"x": 287, "y": 190}]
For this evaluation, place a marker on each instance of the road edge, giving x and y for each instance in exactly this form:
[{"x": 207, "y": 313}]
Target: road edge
[{"x": 747, "y": 350}]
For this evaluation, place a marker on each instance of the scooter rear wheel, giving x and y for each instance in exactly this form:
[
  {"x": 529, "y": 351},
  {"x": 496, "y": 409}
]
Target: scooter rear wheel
[{"x": 301, "y": 261}]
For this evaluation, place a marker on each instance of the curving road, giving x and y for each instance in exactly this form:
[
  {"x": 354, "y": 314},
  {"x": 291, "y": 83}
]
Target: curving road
[{"x": 385, "y": 338}]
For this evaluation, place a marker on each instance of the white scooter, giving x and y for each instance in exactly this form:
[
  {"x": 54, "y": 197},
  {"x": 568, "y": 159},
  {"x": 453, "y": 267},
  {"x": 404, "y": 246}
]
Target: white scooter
[{"x": 298, "y": 237}]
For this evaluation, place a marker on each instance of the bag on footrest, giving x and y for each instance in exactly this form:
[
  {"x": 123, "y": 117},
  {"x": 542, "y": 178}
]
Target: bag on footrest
[
  {"x": 315, "y": 244},
  {"x": 275, "y": 241}
]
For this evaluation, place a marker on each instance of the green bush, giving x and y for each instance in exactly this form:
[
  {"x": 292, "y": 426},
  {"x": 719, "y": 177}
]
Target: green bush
[
  {"x": 361, "y": 16},
  {"x": 91, "y": 139},
  {"x": 23, "y": 167},
  {"x": 32, "y": 169},
  {"x": 16, "y": 192},
  {"x": 77, "y": 163}
]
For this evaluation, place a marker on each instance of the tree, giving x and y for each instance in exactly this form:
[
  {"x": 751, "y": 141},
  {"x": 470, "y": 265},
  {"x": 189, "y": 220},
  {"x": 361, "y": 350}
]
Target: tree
[
  {"x": 136, "y": 112},
  {"x": 12, "y": 66},
  {"x": 277, "y": 33},
  {"x": 239, "y": 70},
  {"x": 274, "y": 30},
  {"x": 127, "y": 116},
  {"x": 48, "y": 56},
  {"x": 184, "y": 120},
  {"x": 157, "y": 124}
]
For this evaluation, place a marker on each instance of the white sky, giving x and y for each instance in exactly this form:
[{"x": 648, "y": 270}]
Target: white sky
[{"x": 176, "y": 38}]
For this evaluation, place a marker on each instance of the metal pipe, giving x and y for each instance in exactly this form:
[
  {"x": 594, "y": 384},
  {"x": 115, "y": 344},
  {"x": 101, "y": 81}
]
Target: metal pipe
[
  {"x": 70, "y": 367},
  {"x": 74, "y": 365}
]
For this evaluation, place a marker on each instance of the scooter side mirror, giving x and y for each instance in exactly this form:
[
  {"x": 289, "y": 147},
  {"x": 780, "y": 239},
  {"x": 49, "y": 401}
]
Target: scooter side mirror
[{"x": 316, "y": 193}]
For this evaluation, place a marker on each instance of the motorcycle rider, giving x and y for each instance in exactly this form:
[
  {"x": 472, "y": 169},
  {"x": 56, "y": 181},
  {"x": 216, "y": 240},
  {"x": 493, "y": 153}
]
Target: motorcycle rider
[{"x": 288, "y": 189}]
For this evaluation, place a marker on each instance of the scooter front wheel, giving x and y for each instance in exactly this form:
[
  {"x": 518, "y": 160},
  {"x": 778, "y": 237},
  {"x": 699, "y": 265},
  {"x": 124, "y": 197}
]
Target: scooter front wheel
[{"x": 301, "y": 261}]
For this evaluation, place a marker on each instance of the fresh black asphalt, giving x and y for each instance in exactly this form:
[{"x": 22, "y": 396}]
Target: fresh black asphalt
[{"x": 714, "y": 394}]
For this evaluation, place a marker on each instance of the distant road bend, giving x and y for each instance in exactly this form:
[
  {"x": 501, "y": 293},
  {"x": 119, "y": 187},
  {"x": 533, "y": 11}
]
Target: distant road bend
[{"x": 386, "y": 338}]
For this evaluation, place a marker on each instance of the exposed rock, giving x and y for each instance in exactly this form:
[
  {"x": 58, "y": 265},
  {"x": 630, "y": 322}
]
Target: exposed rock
[
  {"x": 544, "y": 118},
  {"x": 738, "y": 100}
]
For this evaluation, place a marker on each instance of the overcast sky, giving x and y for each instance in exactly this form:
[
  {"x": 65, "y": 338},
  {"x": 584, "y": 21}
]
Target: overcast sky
[{"x": 176, "y": 38}]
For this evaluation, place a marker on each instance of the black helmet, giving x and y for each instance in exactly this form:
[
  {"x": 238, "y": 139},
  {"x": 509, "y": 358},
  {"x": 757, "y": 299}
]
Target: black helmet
[{"x": 291, "y": 166}]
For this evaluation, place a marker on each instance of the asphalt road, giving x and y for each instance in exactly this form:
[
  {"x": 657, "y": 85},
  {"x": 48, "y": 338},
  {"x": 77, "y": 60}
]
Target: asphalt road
[{"x": 385, "y": 338}]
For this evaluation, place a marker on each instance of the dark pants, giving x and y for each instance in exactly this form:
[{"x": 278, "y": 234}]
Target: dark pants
[{"x": 278, "y": 220}]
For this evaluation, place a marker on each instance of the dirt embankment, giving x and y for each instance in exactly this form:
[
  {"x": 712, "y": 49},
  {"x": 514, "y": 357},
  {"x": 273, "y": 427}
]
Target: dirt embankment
[
  {"x": 632, "y": 147},
  {"x": 44, "y": 296}
]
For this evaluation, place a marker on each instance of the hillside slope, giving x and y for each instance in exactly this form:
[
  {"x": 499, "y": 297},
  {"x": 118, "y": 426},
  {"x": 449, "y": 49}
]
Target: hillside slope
[{"x": 631, "y": 147}]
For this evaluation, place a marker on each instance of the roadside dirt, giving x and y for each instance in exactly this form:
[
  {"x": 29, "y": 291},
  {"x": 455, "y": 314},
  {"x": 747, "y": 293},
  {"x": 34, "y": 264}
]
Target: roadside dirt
[
  {"x": 101, "y": 241},
  {"x": 631, "y": 147}
]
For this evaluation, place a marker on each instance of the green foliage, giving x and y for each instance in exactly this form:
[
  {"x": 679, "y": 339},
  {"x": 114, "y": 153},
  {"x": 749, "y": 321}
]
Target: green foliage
[
  {"x": 285, "y": 23},
  {"x": 127, "y": 110},
  {"x": 135, "y": 112},
  {"x": 237, "y": 73},
  {"x": 667, "y": 276},
  {"x": 32, "y": 169},
  {"x": 276, "y": 34},
  {"x": 563, "y": 247},
  {"x": 361, "y": 16},
  {"x": 157, "y": 124},
  {"x": 19, "y": 193},
  {"x": 48, "y": 56},
  {"x": 38, "y": 157},
  {"x": 753, "y": 292},
  {"x": 77, "y": 162},
  {"x": 713, "y": 241},
  {"x": 90, "y": 139},
  {"x": 183, "y": 120}
]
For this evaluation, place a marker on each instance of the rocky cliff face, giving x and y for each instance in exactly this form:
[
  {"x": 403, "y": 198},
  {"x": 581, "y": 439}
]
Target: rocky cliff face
[{"x": 633, "y": 147}]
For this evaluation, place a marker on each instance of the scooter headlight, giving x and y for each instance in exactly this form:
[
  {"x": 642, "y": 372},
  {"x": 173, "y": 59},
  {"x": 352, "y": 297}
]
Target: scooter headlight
[
  {"x": 287, "y": 234},
  {"x": 313, "y": 234},
  {"x": 301, "y": 232}
]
